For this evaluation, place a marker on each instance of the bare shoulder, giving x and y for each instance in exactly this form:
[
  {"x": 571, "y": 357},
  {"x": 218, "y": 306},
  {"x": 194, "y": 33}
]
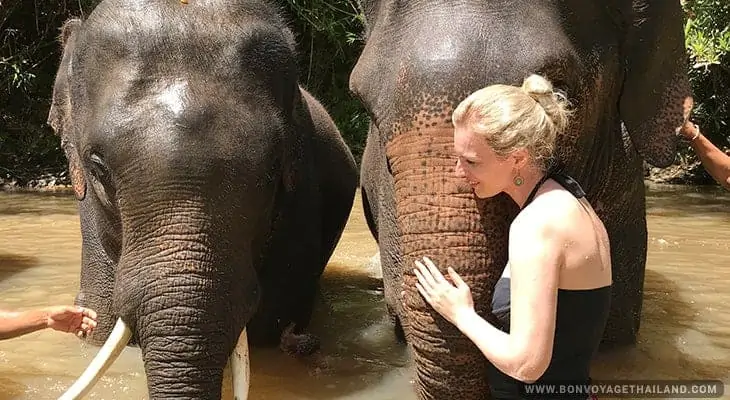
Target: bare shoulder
[{"x": 549, "y": 215}]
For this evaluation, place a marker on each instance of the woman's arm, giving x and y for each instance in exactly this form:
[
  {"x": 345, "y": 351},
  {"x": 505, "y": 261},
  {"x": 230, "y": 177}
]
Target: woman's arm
[
  {"x": 14, "y": 324},
  {"x": 526, "y": 351},
  {"x": 713, "y": 159}
]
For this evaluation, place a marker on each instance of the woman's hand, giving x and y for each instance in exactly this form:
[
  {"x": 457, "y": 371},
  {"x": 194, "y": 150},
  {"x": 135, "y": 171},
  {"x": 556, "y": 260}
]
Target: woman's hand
[{"x": 451, "y": 301}]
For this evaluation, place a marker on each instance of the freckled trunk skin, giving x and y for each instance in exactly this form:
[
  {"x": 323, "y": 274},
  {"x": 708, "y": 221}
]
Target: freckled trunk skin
[{"x": 437, "y": 215}]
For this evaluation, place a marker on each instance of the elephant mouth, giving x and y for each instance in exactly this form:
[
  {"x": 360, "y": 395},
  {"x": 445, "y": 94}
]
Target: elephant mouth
[
  {"x": 106, "y": 321},
  {"x": 238, "y": 363}
]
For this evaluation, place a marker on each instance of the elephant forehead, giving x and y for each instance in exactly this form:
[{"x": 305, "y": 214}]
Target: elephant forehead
[{"x": 172, "y": 96}]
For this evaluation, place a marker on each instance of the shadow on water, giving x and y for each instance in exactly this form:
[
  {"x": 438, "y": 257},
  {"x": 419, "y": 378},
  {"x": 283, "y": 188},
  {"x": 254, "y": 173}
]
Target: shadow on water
[
  {"x": 11, "y": 264},
  {"x": 667, "y": 319},
  {"x": 359, "y": 356},
  {"x": 10, "y": 389}
]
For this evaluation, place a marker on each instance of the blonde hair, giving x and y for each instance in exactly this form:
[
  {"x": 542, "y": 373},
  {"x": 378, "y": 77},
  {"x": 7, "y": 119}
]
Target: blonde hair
[{"x": 511, "y": 117}]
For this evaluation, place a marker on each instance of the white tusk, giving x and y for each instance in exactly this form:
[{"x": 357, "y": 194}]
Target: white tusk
[
  {"x": 240, "y": 368},
  {"x": 106, "y": 356}
]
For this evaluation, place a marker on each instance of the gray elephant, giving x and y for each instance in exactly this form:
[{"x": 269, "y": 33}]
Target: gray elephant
[
  {"x": 621, "y": 63},
  {"x": 212, "y": 188}
]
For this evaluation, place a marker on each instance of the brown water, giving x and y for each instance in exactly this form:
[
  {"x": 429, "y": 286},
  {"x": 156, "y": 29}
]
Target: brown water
[{"x": 685, "y": 327}]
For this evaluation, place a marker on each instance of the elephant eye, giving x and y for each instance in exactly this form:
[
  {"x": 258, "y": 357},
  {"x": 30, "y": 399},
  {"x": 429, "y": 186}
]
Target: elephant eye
[
  {"x": 100, "y": 171},
  {"x": 98, "y": 168},
  {"x": 101, "y": 179}
]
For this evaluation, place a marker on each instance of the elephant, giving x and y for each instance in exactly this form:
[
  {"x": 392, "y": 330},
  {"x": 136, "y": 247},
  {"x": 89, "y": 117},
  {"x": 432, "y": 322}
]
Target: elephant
[
  {"x": 212, "y": 187},
  {"x": 623, "y": 67}
]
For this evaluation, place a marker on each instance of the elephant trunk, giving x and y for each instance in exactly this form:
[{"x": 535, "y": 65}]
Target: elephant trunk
[
  {"x": 184, "y": 350},
  {"x": 438, "y": 216},
  {"x": 239, "y": 365},
  {"x": 187, "y": 293},
  {"x": 186, "y": 324}
]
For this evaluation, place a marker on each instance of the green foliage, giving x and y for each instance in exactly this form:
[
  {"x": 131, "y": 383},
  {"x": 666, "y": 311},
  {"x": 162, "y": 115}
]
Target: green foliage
[
  {"x": 328, "y": 34},
  {"x": 707, "y": 34},
  {"x": 328, "y": 39},
  {"x": 29, "y": 54}
]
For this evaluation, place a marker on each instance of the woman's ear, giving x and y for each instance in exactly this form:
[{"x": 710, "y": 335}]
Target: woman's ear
[{"x": 520, "y": 158}]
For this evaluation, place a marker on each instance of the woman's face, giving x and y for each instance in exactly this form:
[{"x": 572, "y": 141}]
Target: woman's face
[{"x": 487, "y": 173}]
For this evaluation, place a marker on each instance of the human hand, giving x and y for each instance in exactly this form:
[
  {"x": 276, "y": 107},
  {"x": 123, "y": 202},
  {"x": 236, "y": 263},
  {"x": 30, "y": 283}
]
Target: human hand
[
  {"x": 689, "y": 130},
  {"x": 72, "y": 319},
  {"x": 451, "y": 301}
]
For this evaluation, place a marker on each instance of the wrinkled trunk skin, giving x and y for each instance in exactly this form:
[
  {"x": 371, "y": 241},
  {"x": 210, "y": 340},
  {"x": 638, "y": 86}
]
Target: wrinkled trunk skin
[
  {"x": 185, "y": 358},
  {"x": 186, "y": 292},
  {"x": 438, "y": 216},
  {"x": 98, "y": 263}
]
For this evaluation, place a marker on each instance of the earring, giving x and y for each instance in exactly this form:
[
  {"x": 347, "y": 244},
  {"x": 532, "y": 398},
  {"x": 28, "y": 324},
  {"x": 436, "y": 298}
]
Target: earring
[{"x": 518, "y": 180}]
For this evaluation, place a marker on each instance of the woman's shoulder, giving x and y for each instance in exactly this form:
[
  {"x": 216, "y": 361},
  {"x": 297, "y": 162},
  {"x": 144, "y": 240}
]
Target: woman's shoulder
[{"x": 552, "y": 208}]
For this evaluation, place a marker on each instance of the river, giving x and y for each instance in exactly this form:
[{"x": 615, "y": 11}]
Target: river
[{"x": 685, "y": 331}]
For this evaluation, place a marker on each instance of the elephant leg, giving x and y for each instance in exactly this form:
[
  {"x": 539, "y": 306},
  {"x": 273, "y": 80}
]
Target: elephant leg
[
  {"x": 307, "y": 256},
  {"x": 624, "y": 214},
  {"x": 618, "y": 198},
  {"x": 390, "y": 257},
  {"x": 390, "y": 263},
  {"x": 628, "y": 264},
  {"x": 400, "y": 333}
]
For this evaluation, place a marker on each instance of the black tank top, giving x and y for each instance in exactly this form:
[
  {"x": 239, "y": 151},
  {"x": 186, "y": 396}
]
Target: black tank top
[{"x": 580, "y": 320}]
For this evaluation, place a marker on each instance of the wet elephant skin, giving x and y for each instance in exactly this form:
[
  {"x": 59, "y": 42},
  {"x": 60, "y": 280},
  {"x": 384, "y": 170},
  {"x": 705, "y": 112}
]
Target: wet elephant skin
[
  {"x": 212, "y": 189},
  {"x": 623, "y": 68}
]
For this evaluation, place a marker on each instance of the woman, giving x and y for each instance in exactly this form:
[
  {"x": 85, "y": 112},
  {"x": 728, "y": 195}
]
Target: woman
[{"x": 554, "y": 295}]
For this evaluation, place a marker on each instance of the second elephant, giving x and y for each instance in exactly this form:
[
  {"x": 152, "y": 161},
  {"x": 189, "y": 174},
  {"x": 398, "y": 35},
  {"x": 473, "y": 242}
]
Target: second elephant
[{"x": 621, "y": 63}]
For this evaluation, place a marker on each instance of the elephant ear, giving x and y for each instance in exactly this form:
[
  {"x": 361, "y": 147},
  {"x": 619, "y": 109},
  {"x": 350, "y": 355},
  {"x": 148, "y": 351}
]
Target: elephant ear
[
  {"x": 75, "y": 169},
  {"x": 292, "y": 160},
  {"x": 289, "y": 161},
  {"x": 656, "y": 98},
  {"x": 59, "y": 116}
]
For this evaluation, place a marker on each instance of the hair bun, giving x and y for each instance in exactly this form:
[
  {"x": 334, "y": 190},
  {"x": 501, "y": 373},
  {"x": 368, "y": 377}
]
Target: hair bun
[
  {"x": 555, "y": 104},
  {"x": 537, "y": 87}
]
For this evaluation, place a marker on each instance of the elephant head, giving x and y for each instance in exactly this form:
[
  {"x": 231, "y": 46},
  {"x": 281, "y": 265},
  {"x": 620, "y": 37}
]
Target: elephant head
[
  {"x": 623, "y": 67},
  {"x": 176, "y": 119}
]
